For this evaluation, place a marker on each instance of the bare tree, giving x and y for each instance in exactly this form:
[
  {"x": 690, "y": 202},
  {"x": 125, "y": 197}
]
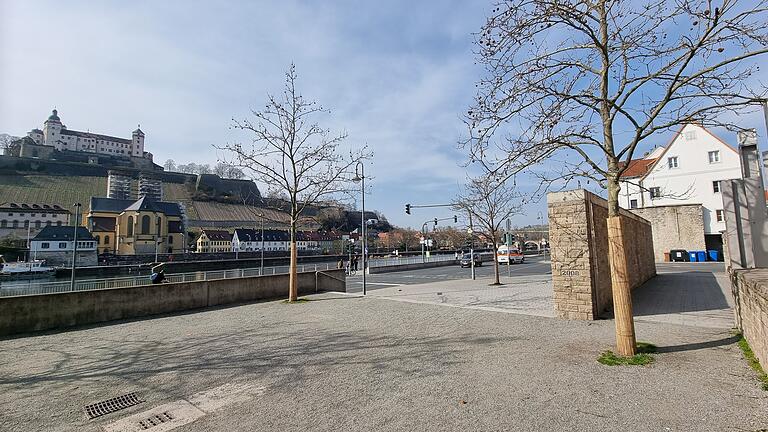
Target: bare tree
[
  {"x": 489, "y": 200},
  {"x": 170, "y": 165},
  {"x": 293, "y": 155},
  {"x": 584, "y": 82}
]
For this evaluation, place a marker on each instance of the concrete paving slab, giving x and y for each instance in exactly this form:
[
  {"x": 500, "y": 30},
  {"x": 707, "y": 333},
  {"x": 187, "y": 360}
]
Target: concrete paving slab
[{"x": 371, "y": 364}]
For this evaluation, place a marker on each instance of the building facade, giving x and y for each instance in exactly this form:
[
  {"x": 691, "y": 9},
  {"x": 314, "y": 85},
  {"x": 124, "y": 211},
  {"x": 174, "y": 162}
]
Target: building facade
[
  {"x": 56, "y": 245},
  {"x": 214, "y": 241},
  {"x": 144, "y": 226},
  {"x": 689, "y": 170},
  {"x": 18, "y": 219}
]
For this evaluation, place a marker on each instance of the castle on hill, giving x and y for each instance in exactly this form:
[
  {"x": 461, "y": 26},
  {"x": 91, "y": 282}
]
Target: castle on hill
[{"x": 56, "y": 142}]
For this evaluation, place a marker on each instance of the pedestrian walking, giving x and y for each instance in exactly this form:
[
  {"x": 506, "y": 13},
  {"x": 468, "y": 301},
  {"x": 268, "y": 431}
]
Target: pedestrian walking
[
  {"x": 340, "y": 264},
  {"x": 354, "y": 262}
]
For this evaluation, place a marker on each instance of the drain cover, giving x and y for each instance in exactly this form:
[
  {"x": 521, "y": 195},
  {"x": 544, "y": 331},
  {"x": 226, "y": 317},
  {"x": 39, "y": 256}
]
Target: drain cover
[
  {"x": 111, "y": 405},
  {"x": 155, "y": 420}
]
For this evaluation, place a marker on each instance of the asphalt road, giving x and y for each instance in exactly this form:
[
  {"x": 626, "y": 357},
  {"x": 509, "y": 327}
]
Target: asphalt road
[{"x": 531, "y": 266}]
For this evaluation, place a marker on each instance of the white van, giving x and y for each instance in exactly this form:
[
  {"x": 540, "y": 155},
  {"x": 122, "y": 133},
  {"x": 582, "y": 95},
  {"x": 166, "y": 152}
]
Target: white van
[{"x": 509, "y": 255}]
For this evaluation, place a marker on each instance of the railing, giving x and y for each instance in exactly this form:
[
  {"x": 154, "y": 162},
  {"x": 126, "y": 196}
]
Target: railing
[{"x": 33, "y": 287}]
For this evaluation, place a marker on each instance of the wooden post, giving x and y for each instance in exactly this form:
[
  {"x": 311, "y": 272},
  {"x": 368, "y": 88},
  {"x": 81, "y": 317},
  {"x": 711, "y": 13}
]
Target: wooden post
[
  {"x": 293, "y": 283},
  {"x": 622, "y": 294}
]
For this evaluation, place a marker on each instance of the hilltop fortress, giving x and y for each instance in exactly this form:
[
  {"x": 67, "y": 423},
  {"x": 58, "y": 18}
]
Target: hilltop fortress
[{"x": 56, "y": 142}]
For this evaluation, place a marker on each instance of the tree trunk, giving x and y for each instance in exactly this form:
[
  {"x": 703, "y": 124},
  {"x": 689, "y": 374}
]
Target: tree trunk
[
  {"x": 617, "y": 254},
  {"x": 293, "y": 280}
]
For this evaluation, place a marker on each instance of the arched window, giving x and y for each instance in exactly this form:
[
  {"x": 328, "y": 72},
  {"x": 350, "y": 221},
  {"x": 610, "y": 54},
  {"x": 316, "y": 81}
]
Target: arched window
[
  {"x": 98, "y": 240},
  {"x": 145, "y": 221},
  {"x": 130, "y": 226},
  {"x": 15, "y": 224},
  {"x": 106, "y": 240},
  {"x": 37, "y": 224},
  {"x": 26, "y": 224}
]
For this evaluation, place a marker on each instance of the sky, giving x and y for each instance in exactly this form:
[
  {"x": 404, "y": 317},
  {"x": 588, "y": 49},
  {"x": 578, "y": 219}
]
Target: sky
[{"x": 396, "y": 75}]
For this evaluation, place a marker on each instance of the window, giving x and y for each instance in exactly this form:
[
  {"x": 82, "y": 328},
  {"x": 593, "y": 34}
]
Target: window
[
  {"x": 26, "y": 224},
  {"x": 170, "y": 240},
  {"x": 714, "y": 156},
  {"x": 3, "y": 223},
  {"x": 47, "y": 223},
  {"x": 633, "y": 204},
  {"x": 716, "y": 186},
  {"x": 58, "y": 223},
  {"x": 672, "y": 162},
  {"x": 106, "y": 240},
  {"x": 98, "y": 240},
  {"x": 655, "y": 192},
  {"x": 45, "y": 245},
  {"x": 690, "y": 135},
  {"x": 719, "y": 215},
  {"x": 158, "y": 225},
  {"x": 145, "y": 221},
  {"x": 130, "y": 226},
  {"x": 37, "y": 224},
  {"x": 62, "y": 245}
]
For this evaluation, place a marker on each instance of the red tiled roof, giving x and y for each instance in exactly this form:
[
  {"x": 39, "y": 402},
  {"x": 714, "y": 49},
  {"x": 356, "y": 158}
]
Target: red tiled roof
[{"x": 637, "y": 168}]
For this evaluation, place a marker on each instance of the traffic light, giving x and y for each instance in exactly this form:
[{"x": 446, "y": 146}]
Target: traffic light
[
  {"x": 435, "y": 221},
  {"x": 407, "y": 209},
  {"x": 455, "y": 219}
]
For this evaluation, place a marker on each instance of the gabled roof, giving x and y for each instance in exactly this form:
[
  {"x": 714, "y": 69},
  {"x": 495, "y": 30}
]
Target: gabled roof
[
  {"x": 114, "y": 205},
  {"x": 95, "y": 136},
  {"x": 247, "y": 235},
  {"x": 63, "y": 233},
  {"x": 674, "y": 138},
  {"x": 638, "y": 168},
  {"x": 144, "y": 204},
  {"x": 218, "y": 235}
]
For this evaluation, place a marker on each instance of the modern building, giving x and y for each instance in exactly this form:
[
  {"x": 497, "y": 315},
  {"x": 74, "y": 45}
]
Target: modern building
[
  {"x": 56, "y": 244},
  {"x": 144, "y": 226},
  {"x": 688, "y": 171},
  {"x": 212, "y": 241},
  {"x": 17, "y": 219}
]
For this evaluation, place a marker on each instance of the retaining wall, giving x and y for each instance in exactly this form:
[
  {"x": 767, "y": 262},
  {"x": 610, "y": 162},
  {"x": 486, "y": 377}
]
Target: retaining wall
[
  {"x": 675, "y": 227},
  {"x": 23, "y": 314},
  {"x": 750, "y": 294},
  {"x": 581, "y": 274},
  {"x": 404, "y": 267}
]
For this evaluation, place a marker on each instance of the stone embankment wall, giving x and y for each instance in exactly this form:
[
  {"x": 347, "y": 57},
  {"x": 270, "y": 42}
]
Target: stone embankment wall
[
  {"x": 675, "y": 227},
  {"x": 22, "y": 314},
  {"x": 581, "y": 274},
  {"x": 750, "y": 294}
]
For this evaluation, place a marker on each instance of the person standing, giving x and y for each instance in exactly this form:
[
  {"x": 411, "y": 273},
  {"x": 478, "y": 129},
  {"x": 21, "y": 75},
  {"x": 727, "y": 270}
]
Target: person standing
[{"x": 354, "y": 262}]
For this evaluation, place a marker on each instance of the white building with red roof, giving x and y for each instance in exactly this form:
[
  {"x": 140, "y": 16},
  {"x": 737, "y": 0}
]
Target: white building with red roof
[{"x": 687, "y": 171}]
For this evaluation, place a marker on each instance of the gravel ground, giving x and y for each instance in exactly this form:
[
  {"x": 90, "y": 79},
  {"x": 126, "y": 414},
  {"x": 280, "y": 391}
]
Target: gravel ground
[{"x": 341, "y": 363}]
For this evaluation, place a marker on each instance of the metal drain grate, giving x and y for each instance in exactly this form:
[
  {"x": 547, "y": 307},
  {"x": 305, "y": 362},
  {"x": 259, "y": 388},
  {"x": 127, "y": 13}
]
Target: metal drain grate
[
  {"x": 111, "y": 405},
  {"x": 155, "y": 420}
]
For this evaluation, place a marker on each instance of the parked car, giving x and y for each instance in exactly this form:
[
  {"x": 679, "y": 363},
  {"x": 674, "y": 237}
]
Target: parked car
[
  {"x": 466, "y": 260},
  {"x": 509, "y": 255}
]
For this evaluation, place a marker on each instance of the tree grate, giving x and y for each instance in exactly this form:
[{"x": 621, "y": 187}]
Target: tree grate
[
  {"x": 111, "y": 405},
  {"x": 155, "y": 420}
]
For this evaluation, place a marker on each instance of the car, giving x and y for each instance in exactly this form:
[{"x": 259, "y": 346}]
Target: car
[{"x": 466, "y": 260}]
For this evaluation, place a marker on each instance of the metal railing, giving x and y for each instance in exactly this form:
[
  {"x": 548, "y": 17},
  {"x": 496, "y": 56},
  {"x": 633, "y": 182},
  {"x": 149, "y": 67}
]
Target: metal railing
[{"x": 34, "y": 287}]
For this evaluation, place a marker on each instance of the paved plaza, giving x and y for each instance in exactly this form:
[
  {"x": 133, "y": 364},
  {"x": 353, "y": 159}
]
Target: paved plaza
[{"x": 342, "y": 362}]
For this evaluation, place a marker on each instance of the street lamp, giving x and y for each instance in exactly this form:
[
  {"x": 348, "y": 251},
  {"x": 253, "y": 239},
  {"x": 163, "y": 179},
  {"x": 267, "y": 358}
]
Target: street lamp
[
  {"x": 77, "y": 207},
  {"x": 261, "y": 217},
  {"x": 360, "y": 177}
]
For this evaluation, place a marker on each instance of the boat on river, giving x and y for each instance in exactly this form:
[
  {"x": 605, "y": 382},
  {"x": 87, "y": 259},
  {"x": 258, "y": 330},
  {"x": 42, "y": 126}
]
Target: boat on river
[{"x": 24, "y": 269}]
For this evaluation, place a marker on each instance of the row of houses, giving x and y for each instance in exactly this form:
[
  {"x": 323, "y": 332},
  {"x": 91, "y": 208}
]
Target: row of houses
[{"x": 250, "y": 240}]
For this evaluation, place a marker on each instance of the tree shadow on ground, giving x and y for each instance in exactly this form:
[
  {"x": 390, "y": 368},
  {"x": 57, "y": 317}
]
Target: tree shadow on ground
[{"x": 698, "y": 345}]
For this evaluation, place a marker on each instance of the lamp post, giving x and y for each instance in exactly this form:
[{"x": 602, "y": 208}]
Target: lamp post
[
  {"x": 74, "y": 246},
  {"x": 360, "y": 176},
  {"x": 261, "y": 217}
]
